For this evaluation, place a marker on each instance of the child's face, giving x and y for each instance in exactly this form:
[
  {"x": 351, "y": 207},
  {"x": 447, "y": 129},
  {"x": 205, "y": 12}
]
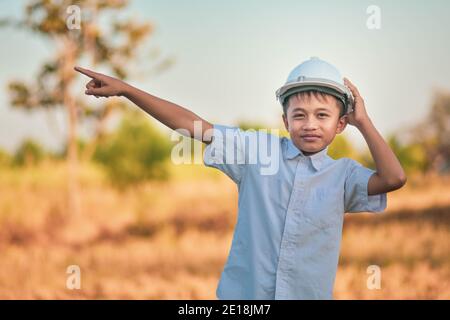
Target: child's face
[{"x": 313, "y": 117}]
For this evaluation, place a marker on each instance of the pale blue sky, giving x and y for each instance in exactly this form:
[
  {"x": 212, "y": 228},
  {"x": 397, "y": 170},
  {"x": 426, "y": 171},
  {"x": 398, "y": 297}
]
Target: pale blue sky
[{"x": 231, "y": 56}]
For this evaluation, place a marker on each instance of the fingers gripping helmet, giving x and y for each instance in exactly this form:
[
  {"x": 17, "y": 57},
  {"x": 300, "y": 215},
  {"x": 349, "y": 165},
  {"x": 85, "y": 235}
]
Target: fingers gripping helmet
[{"x": 316, "y": 74}]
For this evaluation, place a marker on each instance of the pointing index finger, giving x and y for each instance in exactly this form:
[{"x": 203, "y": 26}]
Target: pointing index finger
[{"x": 89, "y": 73}]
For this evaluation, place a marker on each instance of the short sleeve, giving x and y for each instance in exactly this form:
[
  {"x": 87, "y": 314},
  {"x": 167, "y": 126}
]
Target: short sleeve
[
  {"x": 226, "y": 151},
  {"x": 356, "y": 195}
]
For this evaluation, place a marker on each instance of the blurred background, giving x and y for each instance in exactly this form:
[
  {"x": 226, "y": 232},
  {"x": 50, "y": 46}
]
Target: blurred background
[{"x": 90, "y": 182}]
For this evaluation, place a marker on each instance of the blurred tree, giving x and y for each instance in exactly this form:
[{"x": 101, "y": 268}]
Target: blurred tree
[
  {"x": 81, "y": 143},
  {"x": 134, "y": 152},
  {"x": 411, "y": 156},
  {"x": 365, "y": 158},
  {"x": 74, "y": 28},
  {"x": 247, "y": 125},
  {"x": 29, "y": 153},
  {"x": 440, "y": 121},
  {"x": 341, "y": 147},
  {"x": 433, "y": 134}
]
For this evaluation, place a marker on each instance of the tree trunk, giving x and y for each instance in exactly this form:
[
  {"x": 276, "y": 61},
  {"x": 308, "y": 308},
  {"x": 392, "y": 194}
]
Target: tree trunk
[{"x": 68, "y": 61}]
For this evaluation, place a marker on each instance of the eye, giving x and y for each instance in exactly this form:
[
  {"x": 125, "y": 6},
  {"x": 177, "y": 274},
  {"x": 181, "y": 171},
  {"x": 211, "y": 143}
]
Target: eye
[
  {"x": 323, "y": 114},
  {"x": 298, "y": 115}
]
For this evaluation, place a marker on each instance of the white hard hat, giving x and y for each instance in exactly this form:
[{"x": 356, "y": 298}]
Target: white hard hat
[{"x": 319, "y": 75}]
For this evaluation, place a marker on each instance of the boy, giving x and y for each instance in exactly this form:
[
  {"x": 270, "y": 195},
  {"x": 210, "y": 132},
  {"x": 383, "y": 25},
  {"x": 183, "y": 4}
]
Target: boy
[{"x": 287, "y": 237}]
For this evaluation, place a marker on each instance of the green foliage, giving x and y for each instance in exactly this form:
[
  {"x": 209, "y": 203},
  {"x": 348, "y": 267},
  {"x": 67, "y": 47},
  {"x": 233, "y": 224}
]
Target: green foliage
[
  {"x": 430, "y": 138},
  {"x": 135, "y": 152},
  {"x": 412, "y": 157},
  {"x": 62, "y": 155},
  {"x": 29, "y": 153},
  {"x": 249, "y": 125},
  {"x": 341, "y": 147},
  {"x": 5, "y": 158},
  {"x": 246, "y": 125},
  {"x": 365, "y": 158},
  {"x": 116, "y": 47}
]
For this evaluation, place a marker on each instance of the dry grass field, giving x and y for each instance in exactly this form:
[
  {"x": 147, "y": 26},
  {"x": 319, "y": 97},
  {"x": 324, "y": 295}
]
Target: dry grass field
[{"x": 169, "y": 240}]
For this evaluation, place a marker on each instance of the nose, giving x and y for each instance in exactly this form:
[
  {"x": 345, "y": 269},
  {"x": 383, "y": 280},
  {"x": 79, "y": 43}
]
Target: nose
[{"x": 310, "y": 124}]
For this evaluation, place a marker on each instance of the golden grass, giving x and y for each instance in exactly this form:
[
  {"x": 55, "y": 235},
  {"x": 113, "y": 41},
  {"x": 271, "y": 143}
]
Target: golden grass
[{"x": 170, "y": 240}]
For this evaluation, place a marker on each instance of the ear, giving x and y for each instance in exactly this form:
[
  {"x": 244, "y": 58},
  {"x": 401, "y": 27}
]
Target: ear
[
  {"x": 342, "y": 123},
  {"x": 286, "y": 125}
]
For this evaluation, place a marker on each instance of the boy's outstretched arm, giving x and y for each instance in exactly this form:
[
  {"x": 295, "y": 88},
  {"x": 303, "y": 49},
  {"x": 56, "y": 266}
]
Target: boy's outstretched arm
[
  {"x": 390, "y": 175},
  {"x": 166, "y": 112}
]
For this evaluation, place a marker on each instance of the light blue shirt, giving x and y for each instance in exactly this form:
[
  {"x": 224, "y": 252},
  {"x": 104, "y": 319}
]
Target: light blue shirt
[{"x": 289, "y": 224}]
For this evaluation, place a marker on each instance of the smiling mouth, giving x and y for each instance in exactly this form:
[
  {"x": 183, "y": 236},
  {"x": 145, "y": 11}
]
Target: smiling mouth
[{"x": 310, "y": 138}]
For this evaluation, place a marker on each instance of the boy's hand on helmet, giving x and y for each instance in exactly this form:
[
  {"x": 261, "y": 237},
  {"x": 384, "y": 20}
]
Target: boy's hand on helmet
[
  {"x": 359, "y": 114},
  {"x": 102, "y": 85}
]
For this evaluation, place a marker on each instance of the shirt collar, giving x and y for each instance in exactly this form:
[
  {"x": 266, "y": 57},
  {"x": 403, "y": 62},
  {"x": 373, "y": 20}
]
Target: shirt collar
[{"x": 316, "y": 159}]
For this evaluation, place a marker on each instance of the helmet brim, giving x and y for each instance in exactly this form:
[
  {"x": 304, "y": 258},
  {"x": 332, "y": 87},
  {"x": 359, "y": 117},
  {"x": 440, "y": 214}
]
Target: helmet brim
[{"x": 326, "y": 86}]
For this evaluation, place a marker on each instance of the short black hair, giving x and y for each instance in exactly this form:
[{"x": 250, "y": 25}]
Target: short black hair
[{"x": 318, "y": 95}]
